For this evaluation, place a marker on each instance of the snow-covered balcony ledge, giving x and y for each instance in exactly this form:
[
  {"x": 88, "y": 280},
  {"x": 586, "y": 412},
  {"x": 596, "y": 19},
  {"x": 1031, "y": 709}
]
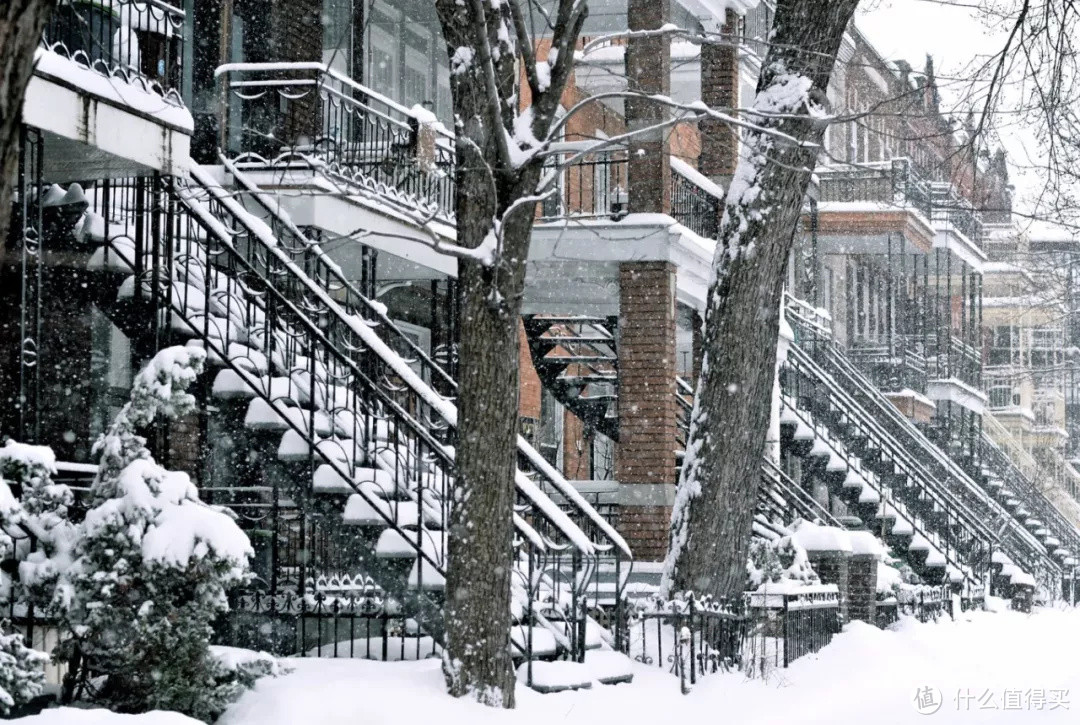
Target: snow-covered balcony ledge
[
  {"x": 573, "y": 263},
  {"x": 959, "y": 245},
  {"x": 313, "y": 199},
  {"x": 100, "y": 125},
  {"x": 954, "y": 390}
]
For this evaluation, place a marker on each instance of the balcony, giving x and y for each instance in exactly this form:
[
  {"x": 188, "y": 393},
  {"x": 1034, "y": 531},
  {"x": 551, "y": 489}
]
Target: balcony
[
  {"x": 103, "y": 66},
  {"x": 306, "y": 117}
]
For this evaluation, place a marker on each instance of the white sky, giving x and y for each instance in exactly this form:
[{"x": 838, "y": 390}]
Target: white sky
[{"x": 955, "y": 34}]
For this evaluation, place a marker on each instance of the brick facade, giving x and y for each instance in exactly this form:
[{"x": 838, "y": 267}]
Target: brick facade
[
  {"x": 648, "y": 70},
  {"x": 645, "y": 528}
]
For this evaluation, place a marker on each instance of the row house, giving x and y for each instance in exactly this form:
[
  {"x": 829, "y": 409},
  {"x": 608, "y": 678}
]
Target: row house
[{"x": 271, "y": 193}]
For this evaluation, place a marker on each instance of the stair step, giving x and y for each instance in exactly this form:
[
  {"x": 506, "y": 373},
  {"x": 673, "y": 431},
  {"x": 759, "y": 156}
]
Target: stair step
[
  {"x": 393, "y": 544},
  {"x": 242, "y": 356},
  {"x": 544, "y": 643},
  {"x": 327, "y": 480},
  {"x": 359, "y": 512},
  {"x": 279, "y": 416},
  {"x": 431, "y": 581}
]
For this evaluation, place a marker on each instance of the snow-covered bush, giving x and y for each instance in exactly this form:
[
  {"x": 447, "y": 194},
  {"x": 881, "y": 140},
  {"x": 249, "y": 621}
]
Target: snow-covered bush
[
  {"x": 771, "y": 562},
  {"x": 43, "y": 515},
  {"x": 22, "y": 677},
  {"x": 151, "y": 566}
]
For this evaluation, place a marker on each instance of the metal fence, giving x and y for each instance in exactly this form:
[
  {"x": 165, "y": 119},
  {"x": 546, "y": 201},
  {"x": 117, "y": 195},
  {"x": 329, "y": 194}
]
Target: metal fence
[{"x": 693, "y": 637}]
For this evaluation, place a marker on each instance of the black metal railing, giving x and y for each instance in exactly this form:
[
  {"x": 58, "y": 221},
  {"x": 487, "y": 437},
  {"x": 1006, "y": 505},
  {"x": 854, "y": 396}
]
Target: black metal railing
[
  {"x": 199, "y": 270},
  {"x": 951, "y": 357},
  {"x": 894, "y": 364},
  {"x": 692, "y": 638},
  {"x": 902, "y": 439},
  {"x": 894, "y": 183},
  {"x": 593, "y": 187},
  {"x": 139, "y": 41},
  {"x": 431, "y": 380},
  {"x": 283, "y": 114},
  {"x": 694, "y": 207}
]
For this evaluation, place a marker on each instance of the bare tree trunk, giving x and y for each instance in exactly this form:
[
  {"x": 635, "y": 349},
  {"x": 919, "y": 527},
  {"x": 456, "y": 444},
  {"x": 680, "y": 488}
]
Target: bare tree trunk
[
  {"x": 477, "y": 660},
  {"x": 714, "y": 506},
  {"x": 21, "y": 23}
]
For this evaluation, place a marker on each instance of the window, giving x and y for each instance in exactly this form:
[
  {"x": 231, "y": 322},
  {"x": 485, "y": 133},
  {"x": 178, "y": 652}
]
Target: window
[{"x": 1004, "y": 346}]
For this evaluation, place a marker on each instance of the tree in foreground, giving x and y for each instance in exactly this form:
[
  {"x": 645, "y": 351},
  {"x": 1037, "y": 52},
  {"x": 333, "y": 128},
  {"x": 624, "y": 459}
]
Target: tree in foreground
[
  {"x": 150, "y": 568},
  {"x": 499, "y": 165},
  {"x": 21, "y": 25},
  {"x": 714, "y": 503}
]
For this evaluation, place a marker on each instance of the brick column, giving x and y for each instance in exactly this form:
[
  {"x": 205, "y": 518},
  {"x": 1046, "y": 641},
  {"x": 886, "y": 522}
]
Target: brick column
[
  {"x": 834, "y": 567},
  {"x": 648, "y": 70},
  {"x": 720, "y": 90},
  {"x": 862, "y": 587},
  {"x": 645, "y": 455}
]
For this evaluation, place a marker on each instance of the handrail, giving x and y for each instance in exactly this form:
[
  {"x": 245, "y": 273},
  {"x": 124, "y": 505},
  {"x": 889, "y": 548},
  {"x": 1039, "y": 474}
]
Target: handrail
[
  {"x": 399, "y": 367},
  {"x": 313, "y": 254},
  {"x": 916, "y": 524},
  {"x": 890, "y": 413}
]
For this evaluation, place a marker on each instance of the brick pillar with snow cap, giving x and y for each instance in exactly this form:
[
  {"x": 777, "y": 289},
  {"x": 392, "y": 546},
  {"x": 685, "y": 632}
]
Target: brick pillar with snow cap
[
  {"x": 720, "y": 91},
  {"x": 829, "y": 550},
  {"x": 866, "y": 552}
]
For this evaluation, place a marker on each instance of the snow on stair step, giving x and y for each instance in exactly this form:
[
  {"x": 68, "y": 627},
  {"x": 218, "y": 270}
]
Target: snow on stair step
[
  {"x": 869, "y": 495},
  {"x": 359, "y": 512},
  {"x": 329, "y": 481},
  {"x": 242, "y": 356},
  {"x": 609, "y": 667},
  {"x": 902, "y": 527},
  {"x": 280, "y": 416},
  {"x": 557, "y": 676},
  {"x": 543, "y": 641},
  {"x": 218, "y": 329},
  {"x": 117, "y": 256},
  {"x": 803, "y": 432},
  {"x": 235, "y": 385},
  {"x": 393, "y": 544},
  {"x": 423, "y": 576}
]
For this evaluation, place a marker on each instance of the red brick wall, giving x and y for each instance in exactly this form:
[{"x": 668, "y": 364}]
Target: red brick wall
[
  {"x": 529, "y": 396},
  {"x": 645, "y": 528}
]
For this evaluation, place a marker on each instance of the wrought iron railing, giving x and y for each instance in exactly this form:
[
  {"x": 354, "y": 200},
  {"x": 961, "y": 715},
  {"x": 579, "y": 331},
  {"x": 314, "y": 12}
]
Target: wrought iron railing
[
  {"x": 430, "y": 380},
  {"x": 958, "y": 360},
  {"x": 260, "y": 313},
  {"x": 894, "y": 364},
  {"x": 694, "y": 207},
  {"x": 904, "y": 440},
  {"x": 139, "y": 41},
  {"x": 596, "y": 186},
  {"x": 894, "y": 183},
  {"x": 281, "y": 114},
  {"x": 692, "y": 638}
]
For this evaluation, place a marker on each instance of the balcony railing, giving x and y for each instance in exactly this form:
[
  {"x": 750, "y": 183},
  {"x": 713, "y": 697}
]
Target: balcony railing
[
  {"x": 308, "y": 114},
  {"x": 893, "y": 364},
  {"x": 892, "y": 183},
  {"x": 954, "y": 359},
  {"x": 596, "y": 187},
  {"x": 138, "y": 42}
]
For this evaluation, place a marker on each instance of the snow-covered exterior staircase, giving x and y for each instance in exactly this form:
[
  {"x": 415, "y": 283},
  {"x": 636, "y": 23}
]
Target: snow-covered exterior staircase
[
  {"x": 333, "y": 450},
  {"x": 969, "y": 521}
]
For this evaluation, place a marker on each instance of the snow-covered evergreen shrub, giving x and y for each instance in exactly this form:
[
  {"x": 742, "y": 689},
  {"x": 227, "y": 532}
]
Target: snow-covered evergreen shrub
[
  {"x": 151, "y": 566},
  {"x": 771, "y": 562},
  {"x": 22, "y": 677},
  {"x": 44, "y": 515}
]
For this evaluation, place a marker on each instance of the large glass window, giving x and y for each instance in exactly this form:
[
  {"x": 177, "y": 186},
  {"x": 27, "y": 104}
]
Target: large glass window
[{"x": 405, "y": 57}]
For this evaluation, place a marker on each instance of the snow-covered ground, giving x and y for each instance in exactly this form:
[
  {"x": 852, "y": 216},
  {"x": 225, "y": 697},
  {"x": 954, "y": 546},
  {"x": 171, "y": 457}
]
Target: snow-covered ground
[{"x": 996, "y": 668}]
